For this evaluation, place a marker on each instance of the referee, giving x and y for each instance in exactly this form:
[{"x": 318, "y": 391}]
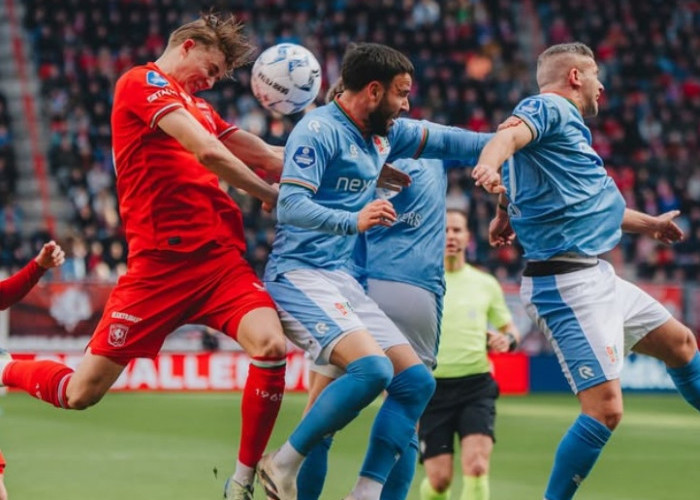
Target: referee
[{"x": 465, "y": 399}]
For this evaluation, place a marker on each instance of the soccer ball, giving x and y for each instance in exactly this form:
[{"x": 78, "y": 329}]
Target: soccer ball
[{"x": 286, "y": 78}]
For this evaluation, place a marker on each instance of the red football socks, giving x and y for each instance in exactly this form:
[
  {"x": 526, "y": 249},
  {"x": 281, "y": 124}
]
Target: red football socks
[
  {"x": 45, "y": 380},
  {"x": 262, "y": 398}
]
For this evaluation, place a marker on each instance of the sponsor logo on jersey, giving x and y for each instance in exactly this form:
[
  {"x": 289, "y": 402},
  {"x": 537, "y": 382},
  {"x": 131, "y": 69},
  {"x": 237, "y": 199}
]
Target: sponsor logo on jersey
[
  {"x": 117, "y": 334},
  {"x": 413, "y": 219},
  {"x": 353, "y": 184},
  {"x": 321, "y": 328},
  {"x": 156, "y": 79},
  {"x": 160, "y": 93},
  {"x": 125, "y": 316},
  {"x": 354, "y": 152},
  {"x": 304, "y": 156},
  {"x": 314, "y": 126}
]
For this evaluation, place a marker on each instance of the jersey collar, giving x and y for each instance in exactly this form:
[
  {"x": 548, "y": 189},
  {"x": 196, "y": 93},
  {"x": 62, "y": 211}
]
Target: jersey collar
[
  {"x": 564, "y": 97},
  {"x": 351, "y": 119}
]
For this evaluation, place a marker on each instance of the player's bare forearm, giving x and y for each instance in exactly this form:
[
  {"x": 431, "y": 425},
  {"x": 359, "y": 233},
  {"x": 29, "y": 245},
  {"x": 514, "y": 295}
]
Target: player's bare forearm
[
  {"x": 255, "y": 152},
  {"x": 225, "y": 165},
  {"x": 507, "y": 141},
  {"x": 214, "y": 155},
  {"x": 660, "y": 227}
]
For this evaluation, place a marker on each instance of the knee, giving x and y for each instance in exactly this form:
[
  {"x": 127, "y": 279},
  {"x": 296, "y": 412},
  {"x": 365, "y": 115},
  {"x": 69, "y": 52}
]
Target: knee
[
  {"x": 375, "y": 371},
  {"x": 83, "y": 399},
  {"x": 685, "y": 348},
  {"x": 414, "y": 385},
  {"x": 440, "y": 481},
  {"x": 477, "y": 466},
  {"x": 269, "y": 346},
  {"x": 611, "y": 418}
]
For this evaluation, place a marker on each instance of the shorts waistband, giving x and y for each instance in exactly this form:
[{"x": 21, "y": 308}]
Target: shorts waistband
[{"x": 558, "y": 265}]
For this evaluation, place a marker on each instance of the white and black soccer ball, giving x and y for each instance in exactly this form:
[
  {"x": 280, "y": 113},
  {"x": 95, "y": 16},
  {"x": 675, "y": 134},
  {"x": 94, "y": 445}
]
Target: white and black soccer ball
[{"x": 286, "y": 78}]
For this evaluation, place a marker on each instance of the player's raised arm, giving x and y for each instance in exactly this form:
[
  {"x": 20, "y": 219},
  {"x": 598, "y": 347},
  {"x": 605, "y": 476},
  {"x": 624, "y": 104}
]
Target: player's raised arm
[
  {"x": 212, "y": 153},
  {"x": 424, "y": 139},
  {"x": 660, "y": 227},
  {"x": 255, "y": 152},
  {"x": 502, "y": 146}
]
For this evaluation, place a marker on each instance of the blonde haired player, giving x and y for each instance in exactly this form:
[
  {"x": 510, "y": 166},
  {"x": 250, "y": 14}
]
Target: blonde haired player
[{"x": 185, "y": 237}]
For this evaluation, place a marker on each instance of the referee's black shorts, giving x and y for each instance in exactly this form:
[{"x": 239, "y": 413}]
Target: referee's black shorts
[{"x": 462, "y": 406}]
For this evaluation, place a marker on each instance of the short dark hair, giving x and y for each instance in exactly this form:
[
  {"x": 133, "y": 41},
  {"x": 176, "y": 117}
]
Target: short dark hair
[
  {"x": 369, "y": 62},
  {"x": 572, "y": 48},
  {"x": 334, "y": 90},
  {"x": 460, "y": 211}
]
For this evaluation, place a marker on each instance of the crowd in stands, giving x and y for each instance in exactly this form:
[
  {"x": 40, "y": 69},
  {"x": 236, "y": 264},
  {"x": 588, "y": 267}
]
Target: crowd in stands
[{"x": 471, "y": 70}]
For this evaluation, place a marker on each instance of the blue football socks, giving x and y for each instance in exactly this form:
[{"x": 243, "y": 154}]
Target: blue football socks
[
  {"x": 687, "y": 380},
  {"x": 312, "y": 474},
  {"x": 395, "y": 424},
  {"x": 401, "y": 476},
  {"x": 342, "y": 400},
  {"x": 578, "y": 451}
]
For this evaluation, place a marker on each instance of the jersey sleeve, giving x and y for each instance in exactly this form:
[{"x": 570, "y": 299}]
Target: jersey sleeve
[
  {"x": 407, "y": 138},
  {"x": 223, "y": 128},
  {"x": 542, "y": 116},
  {"x": 308, "y": 151},
  {"x": 498, "y": 314},
  {"x": 148, "y": 95},
  {"x": 14, "y": 288}
]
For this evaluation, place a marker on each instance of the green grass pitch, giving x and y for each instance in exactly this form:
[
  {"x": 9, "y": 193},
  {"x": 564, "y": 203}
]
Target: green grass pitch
[{"x": 166, "y": 446}]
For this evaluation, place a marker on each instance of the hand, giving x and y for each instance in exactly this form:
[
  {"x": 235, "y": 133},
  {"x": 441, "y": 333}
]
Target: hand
[
  {"x": 376, "y": 213},
  {"x": 488, "y": 177},
  {"x": 665, "y": 230},
  {"x": 51, "y": 255},
  {"x": 269, "y": 205},
  {"x": 500, "y": 231},
  {"x": 497, "y": 342},
  {"x": 392, "y": 178}
]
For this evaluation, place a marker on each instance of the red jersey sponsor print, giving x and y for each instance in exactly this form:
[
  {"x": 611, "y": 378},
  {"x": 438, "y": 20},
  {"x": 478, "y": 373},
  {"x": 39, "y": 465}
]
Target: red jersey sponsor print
[{"x": 167, "y": 199}]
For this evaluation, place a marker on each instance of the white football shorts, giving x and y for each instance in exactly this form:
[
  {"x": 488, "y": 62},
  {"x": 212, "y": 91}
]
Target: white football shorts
[
  {"x": 318, "y": 307},
  {"x": 593, "y": 318}
]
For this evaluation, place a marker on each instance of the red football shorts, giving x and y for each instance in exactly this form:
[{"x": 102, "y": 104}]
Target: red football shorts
[
  {"x": 2, "y": 463},
  {"x": 161, "y": 291}
]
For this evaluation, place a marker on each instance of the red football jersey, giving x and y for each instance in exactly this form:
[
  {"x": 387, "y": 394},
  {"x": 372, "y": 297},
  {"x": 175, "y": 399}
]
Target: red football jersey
[{"x": 167, "y": 199}]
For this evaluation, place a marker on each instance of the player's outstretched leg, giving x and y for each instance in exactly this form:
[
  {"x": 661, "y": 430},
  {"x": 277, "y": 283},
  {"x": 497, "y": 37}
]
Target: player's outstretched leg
[
  {"x": 675, "y": 345},
  {"x": 394, "y": 426},
  {"x": 260, "y": 334},
  {"x": 58, "y": 384},
  {"x": 336, "y": 406},
  {"x": 45, "y": 380}
]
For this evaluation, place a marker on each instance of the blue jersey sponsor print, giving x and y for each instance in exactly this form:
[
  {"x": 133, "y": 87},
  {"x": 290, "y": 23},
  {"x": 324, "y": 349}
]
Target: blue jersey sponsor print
[{"x": 330, "y": 174}]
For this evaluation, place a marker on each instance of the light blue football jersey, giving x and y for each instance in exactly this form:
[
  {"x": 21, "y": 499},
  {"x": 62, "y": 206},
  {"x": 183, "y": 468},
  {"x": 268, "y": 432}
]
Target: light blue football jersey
[
  {"x": 412, "y": 250},
  {"x": 561, "y": 198},
  {"x": 328, "y": 159}
]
